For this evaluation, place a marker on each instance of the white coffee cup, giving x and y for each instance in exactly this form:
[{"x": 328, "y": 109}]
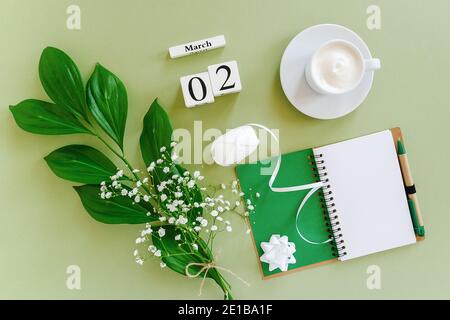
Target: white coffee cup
[{"x": 337, "y": 67}]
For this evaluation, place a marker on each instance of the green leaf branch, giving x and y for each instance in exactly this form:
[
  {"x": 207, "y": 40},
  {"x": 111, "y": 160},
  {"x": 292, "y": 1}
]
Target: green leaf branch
[{"x": 171, "y": 198}]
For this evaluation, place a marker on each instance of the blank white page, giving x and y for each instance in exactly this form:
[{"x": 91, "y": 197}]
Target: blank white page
[{"x": 369, "y": 196}]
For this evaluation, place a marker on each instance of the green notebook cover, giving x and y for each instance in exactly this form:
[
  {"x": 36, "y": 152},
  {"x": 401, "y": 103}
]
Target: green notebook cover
[{"x": 275, "y": 212}]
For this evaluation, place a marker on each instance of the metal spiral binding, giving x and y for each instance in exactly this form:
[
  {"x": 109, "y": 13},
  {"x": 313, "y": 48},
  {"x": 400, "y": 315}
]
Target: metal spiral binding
[{"x": 329, "y": 208}]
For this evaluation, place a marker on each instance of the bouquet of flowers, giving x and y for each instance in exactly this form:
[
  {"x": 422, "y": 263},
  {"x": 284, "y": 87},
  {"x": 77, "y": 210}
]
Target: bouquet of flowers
[{"x": 181, "y": 218}]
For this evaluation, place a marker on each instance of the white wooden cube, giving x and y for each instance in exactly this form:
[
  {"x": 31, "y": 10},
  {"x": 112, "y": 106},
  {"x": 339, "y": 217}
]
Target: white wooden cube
[
  {"x": 225, "y": 78},
  {"x": 196, "y": 89}
]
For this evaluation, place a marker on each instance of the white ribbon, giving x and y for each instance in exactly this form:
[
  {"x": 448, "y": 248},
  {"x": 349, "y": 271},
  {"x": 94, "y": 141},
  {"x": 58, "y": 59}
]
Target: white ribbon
[{"x": 313, "y": 187}]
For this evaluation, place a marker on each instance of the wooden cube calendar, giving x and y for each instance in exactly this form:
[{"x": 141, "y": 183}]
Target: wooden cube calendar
[
  {"x": 196, "y": 89},
  {"x": 225, "y": 78}
]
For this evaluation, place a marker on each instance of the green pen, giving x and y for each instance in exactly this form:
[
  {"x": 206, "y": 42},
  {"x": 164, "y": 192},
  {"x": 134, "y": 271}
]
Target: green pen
[{"x": 413, "y": 202}]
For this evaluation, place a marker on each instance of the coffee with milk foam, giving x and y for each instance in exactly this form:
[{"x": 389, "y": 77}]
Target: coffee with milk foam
[{"x": 337, "y": 66}]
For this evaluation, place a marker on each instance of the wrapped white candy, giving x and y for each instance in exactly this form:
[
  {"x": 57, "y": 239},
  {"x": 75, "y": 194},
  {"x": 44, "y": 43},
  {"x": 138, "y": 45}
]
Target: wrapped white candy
[
  {"x": 278, "y": 252},
  {"x": 234, "y": 146}
]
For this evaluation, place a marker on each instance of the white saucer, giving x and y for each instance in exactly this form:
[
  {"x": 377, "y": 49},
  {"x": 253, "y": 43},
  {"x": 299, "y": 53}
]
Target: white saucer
[{"x": 292, "y": 73}]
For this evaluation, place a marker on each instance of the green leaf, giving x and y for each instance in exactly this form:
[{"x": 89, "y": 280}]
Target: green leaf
[
  {"x": 107, "y": 100},
  {"x": 157, "y": 133},
  {"x": 116, "y": 210},
  {"x": 62, "y": 81},
  {"x": 41, "y": 117},
  {"x": 81, "y": 163},
  {"x": 178, "y": 257}
]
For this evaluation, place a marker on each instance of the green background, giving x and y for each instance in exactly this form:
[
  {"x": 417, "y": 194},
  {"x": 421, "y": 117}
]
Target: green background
[{"x": 43, "y": 227}]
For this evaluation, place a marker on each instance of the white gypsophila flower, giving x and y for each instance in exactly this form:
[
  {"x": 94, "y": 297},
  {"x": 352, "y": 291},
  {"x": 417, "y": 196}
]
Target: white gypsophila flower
[
  {"x": 114, "y": 177},
  {"x": 204, "y": 222},
  {"x": 248, "y": 231},
  {"x": 220, "y": 209},
  {"x": 162, "y": 219},
  {"x": 135, "y": 252},
  {"x": 114, "y": 183},
  {"x": 151, "y": 167},
  {"x": 196, "y": 174},
  {"x": 146, "y": 198},
  {"x": 258, "y": 195},
  {"x": 174, "y": 156},
  {"x": 229, "y": 228},
  {"x": 160, "y": 188},
  {"x": 219, "y": 219},
  {"x": 241, "y": 194},
  {"x": 148, "y": 213},
  {"x": 223, "y": 186},
  {"x": 163, "y": 197},
  {"x": 152, "y": 248},
  {"x": 191, "y": 184},
  {"x": 186, "y": 173},
  {"x": 136, "y": 171},
  {"x": 139, "y": 261},
  {"x": 157, "y": 253},
  {"x": 171, "y": 207},
  {"x": 161, "y": 232},
  {"x": 137, "y": 199},
  {"x": 178, "y": 237},
  {"x": 250, "y": 207},
  {"x": 138, "y": 184},
  {"x": 173, "y": 144},
  {"x": 172, "y": 220},
  {"x": 162, "y": 149},
  {"x": 200, "y": 178},
  {"x": 166, "y": 169},
  {"x": 119, "y": 173},
  {"x": 237, "y": 203},
  {"x": 214, "y": 228},
  {"x": 178, "y": 194},
  {"x": 195, "y": 246},
  {"x": 108, "y": 195},
  {"x": 162, "y": 265},
  {"x": 214, "y": 213},
  {"x": 227, "y": 222},
  {"x": 182, "y": 220},
  {"x": 102, "y": 183},
  {"x": 134, "y": 191},
  {"x": 139, "y": 240},
  {"x": 197, "y": 228},
  {"x": 103, "y": 188},
  {"x": 159, "y": 161},
  {"x": 145, "y": 180}
]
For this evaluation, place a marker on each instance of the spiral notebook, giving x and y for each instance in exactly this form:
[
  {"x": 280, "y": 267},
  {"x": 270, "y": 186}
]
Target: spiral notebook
[{"x": 363, "y": 206}]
